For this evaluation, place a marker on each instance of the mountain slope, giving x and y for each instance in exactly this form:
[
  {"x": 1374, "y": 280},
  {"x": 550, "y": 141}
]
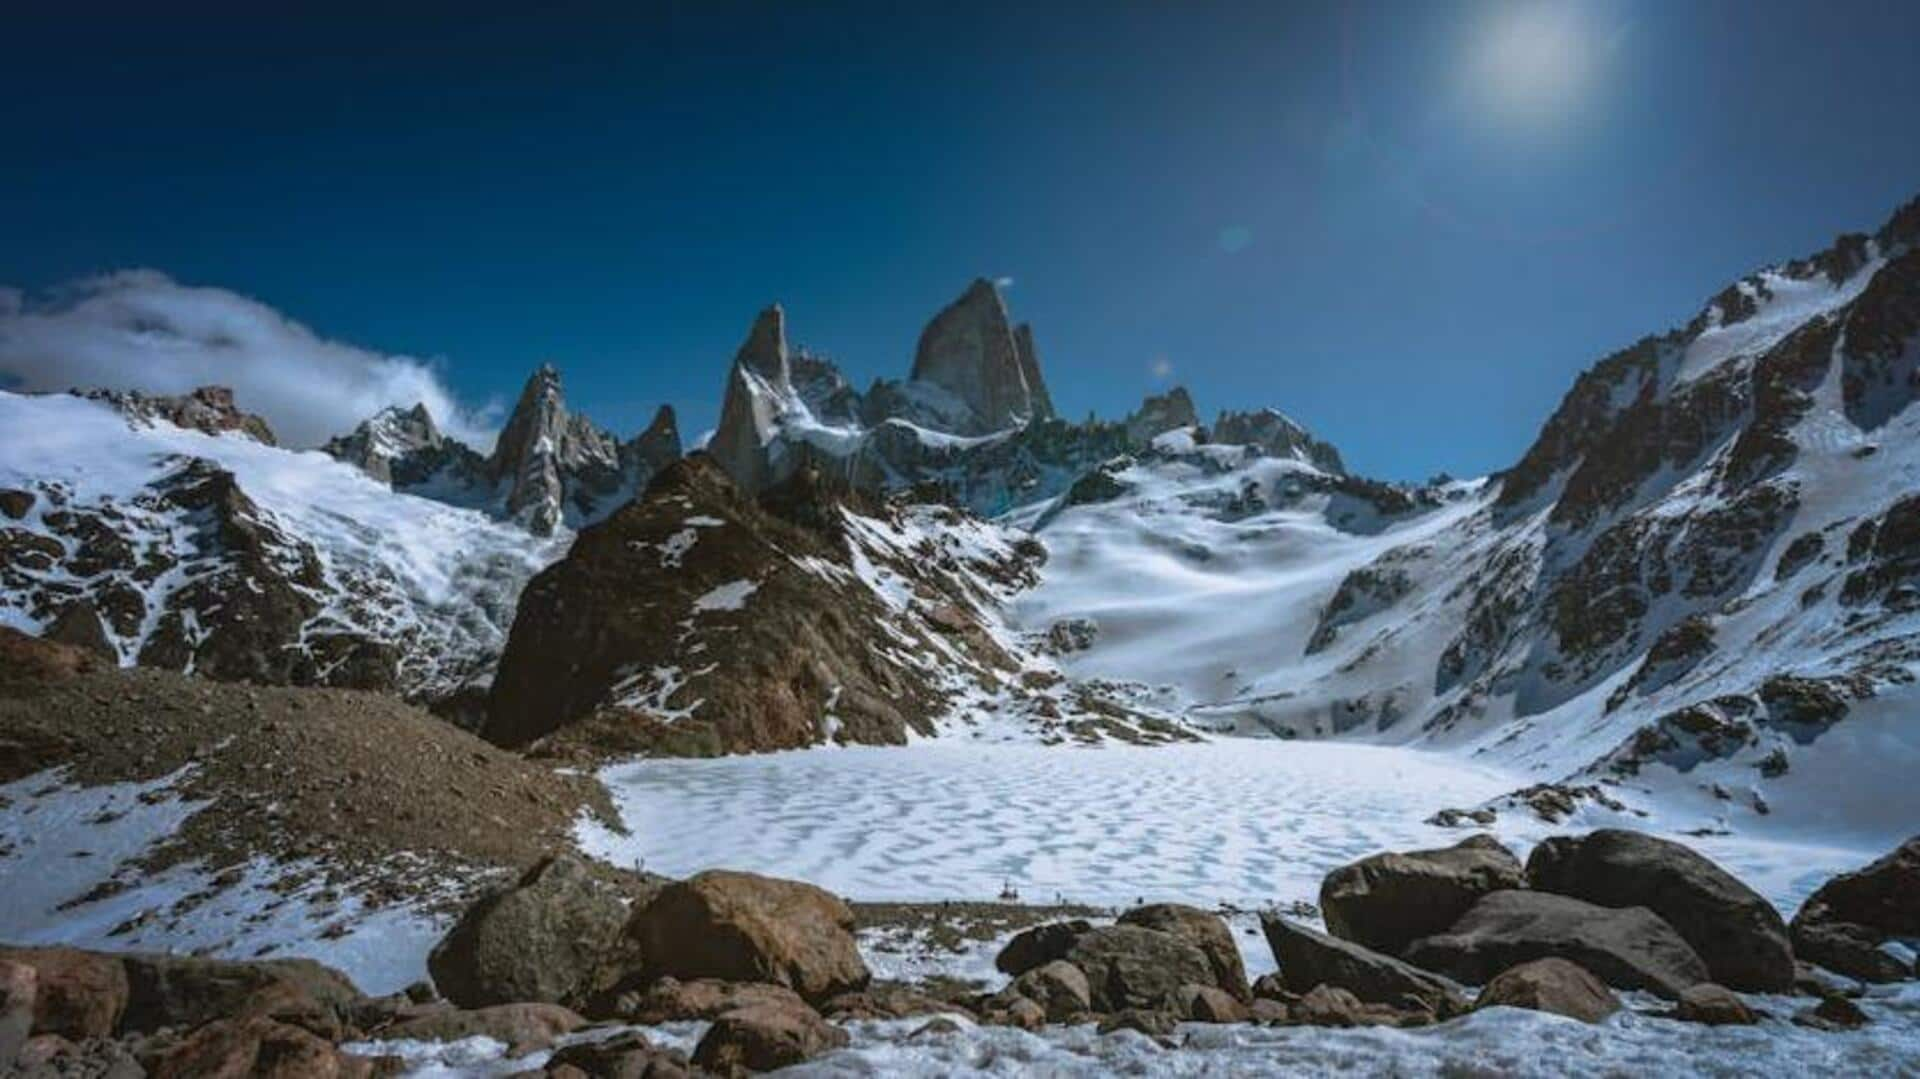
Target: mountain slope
[
  {"x": 1696, "y": 588},
  {"x": 225, "y": 556}
]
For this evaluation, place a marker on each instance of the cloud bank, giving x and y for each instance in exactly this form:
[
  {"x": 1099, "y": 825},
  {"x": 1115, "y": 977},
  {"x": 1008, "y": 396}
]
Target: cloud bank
[{"x": 141, "y": 330}]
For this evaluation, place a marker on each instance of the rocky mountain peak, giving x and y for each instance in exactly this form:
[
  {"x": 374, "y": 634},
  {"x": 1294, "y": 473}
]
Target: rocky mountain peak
[
  {"x": 764, "y": 352},
  {"x": 1030, "y": 370},
  {"x": 970, "y": 351},
  {"x": 1161, "y": 413},
  {"x": 208, "y": 409},
  {"x": 1278, "y": 435},
  {"x": 393, "y": 434}
]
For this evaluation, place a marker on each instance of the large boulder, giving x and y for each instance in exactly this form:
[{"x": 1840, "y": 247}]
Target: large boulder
[
  {"x": 554, "y": 936},
  {"x": 1627, "y": 947},
  {"x": 77, "y": 994},
  {"x": 1128, "y": 966},
  {"x": 1843, "y": 925},
  {"x": 1739, "y": 935},
  {"x": 1715, "y": 1006},
  {"x": 765, "y": 1037},
  {"x": 184, "y": 991},
  {"x": 626, "y": 1055},
  {"x": 748, "y": 928},
  {"x": 672, "y": 1000},
  {"x": 1204, "y": 930},
  {"x": 1551, "y": 985},
  {"x": 1040, "y": 945},
  {"x": 1309, "y": 959},
  {"x": 1388, "y": 901}
]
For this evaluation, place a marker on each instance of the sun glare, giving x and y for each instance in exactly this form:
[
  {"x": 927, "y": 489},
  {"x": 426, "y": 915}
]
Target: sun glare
[{"x": 1531, "y": 61}]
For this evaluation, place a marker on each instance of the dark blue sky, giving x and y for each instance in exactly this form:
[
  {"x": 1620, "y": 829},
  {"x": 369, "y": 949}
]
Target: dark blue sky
[{"x": 1408, "y": 224}]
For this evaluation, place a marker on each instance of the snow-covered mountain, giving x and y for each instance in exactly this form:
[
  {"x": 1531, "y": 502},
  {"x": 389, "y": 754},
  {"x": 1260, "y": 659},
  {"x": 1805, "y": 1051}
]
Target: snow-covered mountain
[
  {"x": 1699, "y": 581},
  {"x": 202, "y": 548}
]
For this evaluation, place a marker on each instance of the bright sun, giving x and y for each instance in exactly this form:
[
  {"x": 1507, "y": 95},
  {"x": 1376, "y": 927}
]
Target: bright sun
[{"x": 1531, "y": 60}]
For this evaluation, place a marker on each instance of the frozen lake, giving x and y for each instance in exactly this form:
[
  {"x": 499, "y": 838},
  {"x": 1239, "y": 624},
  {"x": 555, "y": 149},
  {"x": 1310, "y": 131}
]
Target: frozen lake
[{"x": 1242, "y": 821}]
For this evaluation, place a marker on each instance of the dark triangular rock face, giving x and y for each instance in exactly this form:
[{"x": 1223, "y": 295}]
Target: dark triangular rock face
[{"x": 969, "y": 351}]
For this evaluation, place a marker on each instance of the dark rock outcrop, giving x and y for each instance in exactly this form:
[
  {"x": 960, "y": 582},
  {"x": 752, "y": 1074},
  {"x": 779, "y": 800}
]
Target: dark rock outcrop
[
  {"x": 764, "y": 1038},
  {"x": 555, "y": 936},
  {"x": 699, "y": 620},
  {"x": 1388, "y": 901},
  {"x": 1739, "y": 935},
  {"x": 1310, "y": 959},
  {"x": 209, "y": 410},
  {"x": 1128, "y": 966},
  {"x": 1629, "y": 948},
  {"x": 1842, "y": 925}
]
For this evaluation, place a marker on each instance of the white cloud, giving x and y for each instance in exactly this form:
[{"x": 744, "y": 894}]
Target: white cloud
[
  {"x": 1003, "y": 282},
  {"x": 1162, "y": 368},
  {"x": 141, "y": 330}
]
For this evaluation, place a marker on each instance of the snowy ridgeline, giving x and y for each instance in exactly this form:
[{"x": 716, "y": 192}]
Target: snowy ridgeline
[{"x": 431, "y": 585}]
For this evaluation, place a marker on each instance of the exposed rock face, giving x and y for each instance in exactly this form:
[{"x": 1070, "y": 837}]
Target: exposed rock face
[
  {"x": 1388, "y": 901},
  {"x": 1159, "y": 414},
  {"x": 698, "y": 620},
  {"x": 1310, "y": 959},
  {"x": 1843, "y": 924},
  {"x": 1033, "y": 948},
  {"x": 209, "y": 410},
  {"x": 1629, "y": 948},
  {"x": 555, "y": 936},
  {"x": 551, "y": 468},
  {"x": 1030, "y": 371},
  {"x": 1277, "y": 435},
  {"x": 759, "y": 397},
  {"x": 969, "y": 350},
  {"x": 748, "y": 928},
  {"x": 1551, "y": 985},
  {"x": 1059, "y": 987},
  {"x": 542, "y": 448},
  {"x": 1740, "y": 936}
]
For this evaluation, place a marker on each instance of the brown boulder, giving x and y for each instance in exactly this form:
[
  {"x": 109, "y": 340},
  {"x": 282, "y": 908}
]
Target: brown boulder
[
  {"x": 1551, "y": 985},
  {"x": 1738, "y": 934},
  {"x": 185, "y": 991},
  {"x": 1206, "y": 931},
  {"x": 525, "y": 1028},
  {"x": 1131, "y": 967},
  {"x": 764, "y": 1037},
  {"x": 1210, "y": 1004},
  {"x": 889, "y": 1000},
  {"x": 77, "y": 994},
  {"x": 255, "y": 1048},
  {"x": 1058, "y": 987},
  {"x": 554, "y": 936},
  {"x": 749, "y": 928},
  {"x": 1714, "y": 1006},
  {"x": 1388, "y": 901}
]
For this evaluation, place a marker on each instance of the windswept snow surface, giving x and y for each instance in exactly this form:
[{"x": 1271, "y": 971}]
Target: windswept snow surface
[{"x": 1245, "y": 821}]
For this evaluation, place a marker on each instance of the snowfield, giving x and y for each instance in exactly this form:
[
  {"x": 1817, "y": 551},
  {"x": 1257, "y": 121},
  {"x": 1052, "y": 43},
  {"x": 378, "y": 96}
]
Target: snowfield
[{"x": 1249, "y": 822}]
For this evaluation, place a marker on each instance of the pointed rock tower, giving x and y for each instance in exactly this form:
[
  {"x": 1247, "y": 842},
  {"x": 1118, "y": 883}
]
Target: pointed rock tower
[
  {"x": 970, "y": 351},
  {"x": 759, "y": 393}
]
